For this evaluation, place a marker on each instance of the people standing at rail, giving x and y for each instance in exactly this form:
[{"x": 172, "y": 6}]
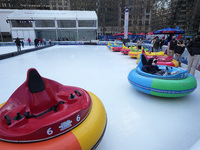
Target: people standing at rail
[
  {"x": 36, "y": 41},
  {"x": 179, "y": 49},
  {"x": 29, "y": 41},
  {"x": 161, "y": 43},
  {"x": 156, "y": 44},
  {"x": 44, "y": 41},
  {"x": 22, "y": 43},
  {"x": 18, "y": 44},
  {"x": 139, "y": 43},
  {"x": 194, "y": 54},
  {"x": 49, "y": 41},
  {"x": 41, "y": 42},
  {"x": 171, "y": 46}
]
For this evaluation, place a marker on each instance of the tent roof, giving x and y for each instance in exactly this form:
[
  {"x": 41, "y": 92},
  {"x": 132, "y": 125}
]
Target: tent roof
[
  {"x": 52, "y": 14},
  {"x": 150, "y": 33},
  {"x": 169, "y": 31},
  {"x": 129, "y": 33},
  {"x": 141, "y": 34}
]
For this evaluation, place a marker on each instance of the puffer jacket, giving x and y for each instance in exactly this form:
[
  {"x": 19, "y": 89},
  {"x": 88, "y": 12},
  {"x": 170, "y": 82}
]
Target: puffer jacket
[
  {"x": 194, "y": 47},
  {"x": 179, "y": 48},
  {"x": 139, "y": 43},
  {"x": 172, "y": 44},
  {"x": 150, "y": 69}
]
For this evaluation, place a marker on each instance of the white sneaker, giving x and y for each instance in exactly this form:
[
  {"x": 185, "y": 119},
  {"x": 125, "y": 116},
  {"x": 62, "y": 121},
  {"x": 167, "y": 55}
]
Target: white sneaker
[
  {"x": 165, "y": 74},
  {"x": 175, "y": 72}
]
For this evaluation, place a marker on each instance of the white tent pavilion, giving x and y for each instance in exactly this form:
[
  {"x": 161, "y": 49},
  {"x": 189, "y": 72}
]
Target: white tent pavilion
[{"x": 53, "y": 24}]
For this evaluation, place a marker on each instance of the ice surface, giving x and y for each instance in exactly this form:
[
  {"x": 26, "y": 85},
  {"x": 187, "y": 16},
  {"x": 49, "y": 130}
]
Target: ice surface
[{"x": 136, "y": 121}]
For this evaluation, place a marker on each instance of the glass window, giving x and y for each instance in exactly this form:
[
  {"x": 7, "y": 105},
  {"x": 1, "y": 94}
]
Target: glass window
[
  {"x": 87, "y": 35},
  {"x": 67, "y": 35},
  {"x": 21, "y": 23},
  {"x": 44, "y": 23},
  {"x": 148, "y": 10},
  {"x": 87, "y": 23},
  {"x": 66, "y": 23},
  {"x": 47, "y": 34}
]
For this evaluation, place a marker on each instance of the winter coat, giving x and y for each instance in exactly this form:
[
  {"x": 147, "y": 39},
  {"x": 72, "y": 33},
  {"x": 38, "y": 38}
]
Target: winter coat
[
  {"x": 17, "y": 41},
  {"x": 156, "y": 44},
  {"x": 162, "y": 42},
  {"x": 194, "y": 47},
  {"x": 139, "y": 42},
  {"x": 179, "y": 48},
  {"x": 172, "y": 45},
  {"x": 150, "y": 69}
]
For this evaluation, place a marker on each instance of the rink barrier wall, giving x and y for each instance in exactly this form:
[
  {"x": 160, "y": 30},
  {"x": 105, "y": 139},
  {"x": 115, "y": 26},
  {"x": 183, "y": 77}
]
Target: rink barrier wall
[{"x": 12, "y": 54}]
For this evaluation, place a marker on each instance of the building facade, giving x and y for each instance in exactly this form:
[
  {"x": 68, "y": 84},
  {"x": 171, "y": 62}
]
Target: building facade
[
  {"x": 59, "y": 4},
  {"x": 139, "y": 15},
  {"x": 108, "y": 12},
  {"x": 53, "y": 24},
  {"x": 111, "y": 14},
  {"x": 25, "y": 4},
  {"x": 144, "y": 15},
  {"x": 177, "y": 13}
]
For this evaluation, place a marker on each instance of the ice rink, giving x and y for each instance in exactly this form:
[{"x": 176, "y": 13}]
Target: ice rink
[{"x": 136, "y": 121}]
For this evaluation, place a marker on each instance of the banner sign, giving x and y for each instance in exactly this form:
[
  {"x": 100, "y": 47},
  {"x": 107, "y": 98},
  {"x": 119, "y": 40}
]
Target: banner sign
[{"x": 126, "y": 23}]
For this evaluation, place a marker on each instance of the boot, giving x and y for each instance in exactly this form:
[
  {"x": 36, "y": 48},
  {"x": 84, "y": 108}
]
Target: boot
[{"x": 179, "y": 64}]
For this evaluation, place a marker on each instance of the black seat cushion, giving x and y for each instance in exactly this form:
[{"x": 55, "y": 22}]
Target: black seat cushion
[
  {"x": 144, "y": 60},
  {"x": 35, "y": 82}
]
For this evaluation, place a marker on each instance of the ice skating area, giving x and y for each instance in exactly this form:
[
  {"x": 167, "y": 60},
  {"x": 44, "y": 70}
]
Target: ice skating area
[{"x": 135, "y": 120}]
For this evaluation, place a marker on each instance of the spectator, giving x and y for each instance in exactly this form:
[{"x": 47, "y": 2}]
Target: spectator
[
  {"x": 41, "y": 42},
  {"x": 44, "y": 41},
  {"x": 29, "y": 41},
  {"x": 169, "y": 38},
  {"x": 22, "y": 43},
  {"x": 194, "y": 54},
  {"x": 18, "y": 44},
  {"x": 36, "y": 41},
  {"x": 162, "y": 42},
  {"x": 179, "y": 49},
  {"x": 156, "y": 44},
  {"x": 49, "y": 41},
  {"x": 139, "y": 43},
  {"x": 171, "y": 46}
]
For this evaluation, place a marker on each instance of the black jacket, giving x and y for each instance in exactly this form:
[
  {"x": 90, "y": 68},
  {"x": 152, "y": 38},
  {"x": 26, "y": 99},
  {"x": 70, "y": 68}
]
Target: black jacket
[
  {"x": 173, "y": 44},
  {"x": 17, "y": 41},
  {"x": 179, "y": 48},
  {"x": 156, "y": 44},
  {"x": 194, "y": 47},
  {"x": 150, "y": 69}
]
